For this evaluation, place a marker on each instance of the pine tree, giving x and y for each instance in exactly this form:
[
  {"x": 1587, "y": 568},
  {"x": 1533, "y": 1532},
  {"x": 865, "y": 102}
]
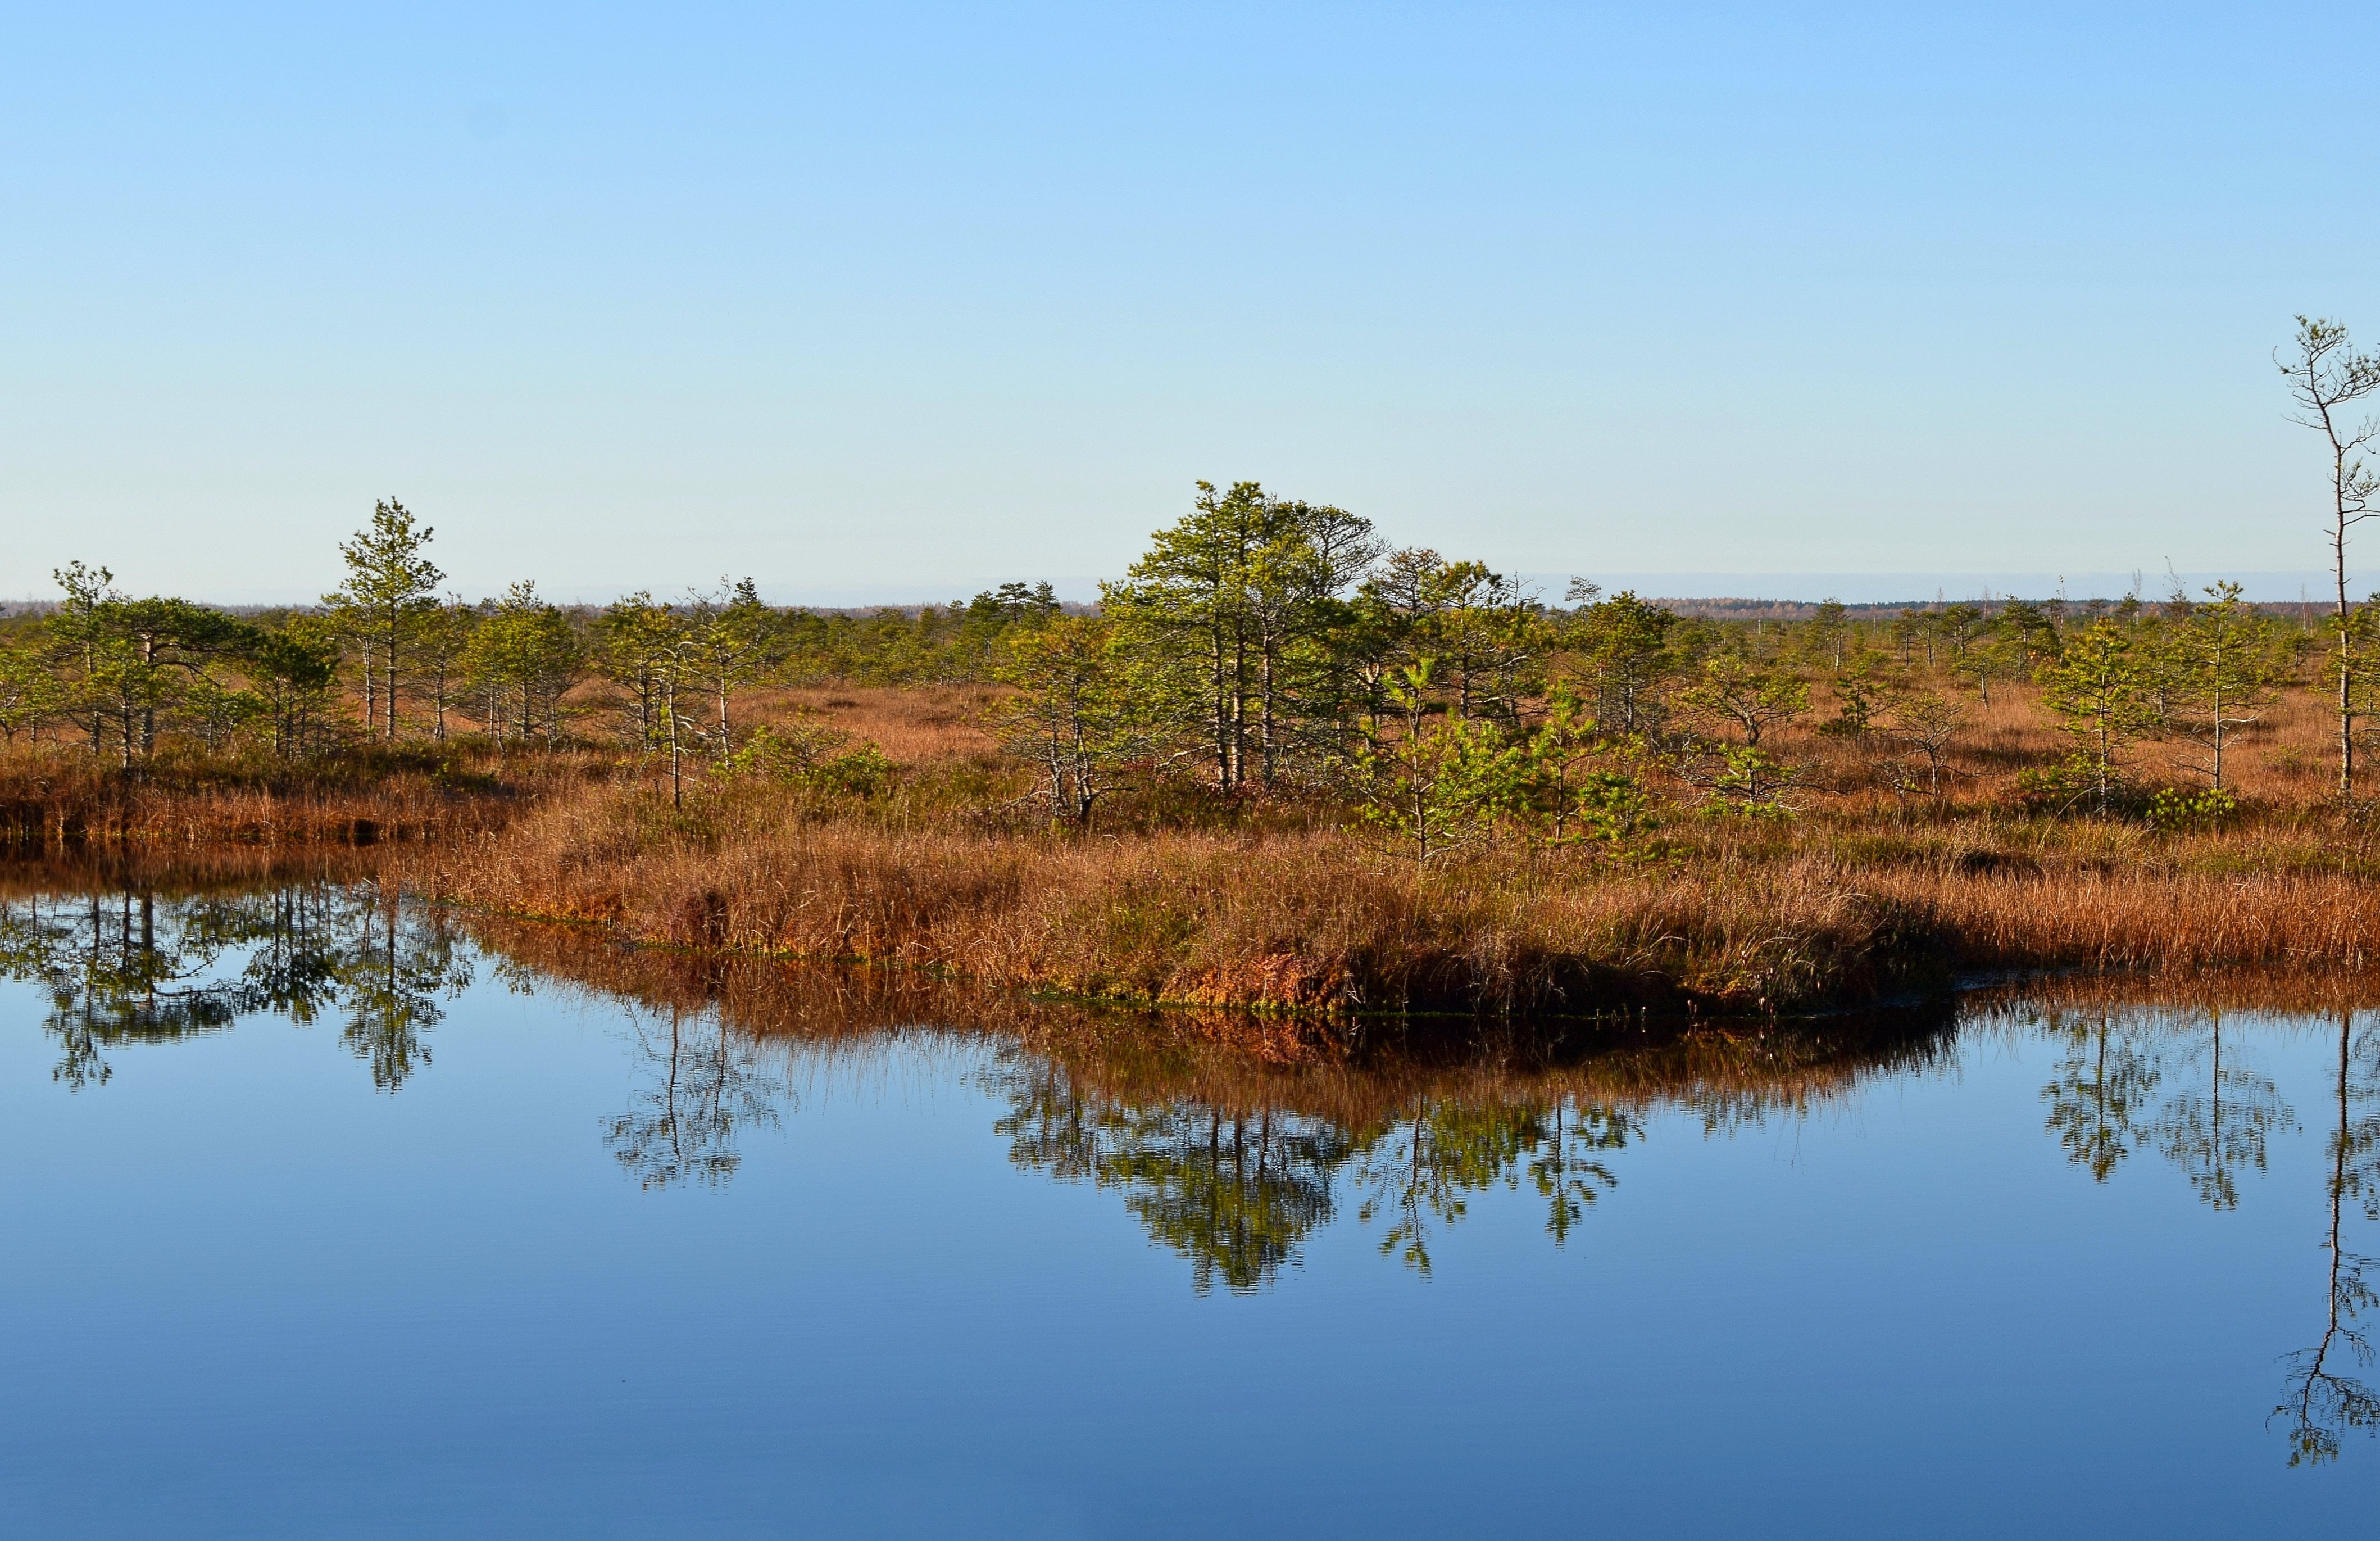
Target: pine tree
[
  {"x": 2221, "y": 661},
  {"x": 390, "y": 585},
  {"x": 1227, "y": 616},
  {"x": 2100, "y": 688}
]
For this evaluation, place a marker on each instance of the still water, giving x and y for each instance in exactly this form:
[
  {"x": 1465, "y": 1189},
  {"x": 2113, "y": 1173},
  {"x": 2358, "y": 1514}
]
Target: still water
[{"x": 326, "y": 1216}]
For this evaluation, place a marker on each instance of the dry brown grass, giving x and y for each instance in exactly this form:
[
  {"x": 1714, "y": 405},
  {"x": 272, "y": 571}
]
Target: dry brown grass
[
  {"x": 1309, "y": 922},
  {"x": 63, "y": 800},
  {"x": 2143, "y": 918},
  {"x": 2285, "y": 761},
  {"x": 1312, "y": 922},
  {"x": 1267, "y": 904},
  {"x": 918, "y": 726}
]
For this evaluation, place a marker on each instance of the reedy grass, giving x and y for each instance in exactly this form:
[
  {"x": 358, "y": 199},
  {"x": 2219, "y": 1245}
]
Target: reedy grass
[
  {"x": 1309, "y": 922},
  {"x": 1183, "y": 897},
  {"x": 1303, "y": 919},
  {"x": 64, "y": 799}
]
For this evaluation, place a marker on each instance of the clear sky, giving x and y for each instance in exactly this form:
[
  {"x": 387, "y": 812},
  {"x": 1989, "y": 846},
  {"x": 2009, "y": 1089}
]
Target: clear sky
[{"x": 887, "y": 300}]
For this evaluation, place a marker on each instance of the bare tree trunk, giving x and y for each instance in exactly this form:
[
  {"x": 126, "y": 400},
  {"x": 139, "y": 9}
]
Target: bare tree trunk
[
  {"x": 2346, "y": 652},
  {"x": 2327, "y": 374},
  {"x": 148, "y": 708},
  {"x": 1222, "y": 715},
  {"x": 1271, "y": 748},
  {"x": 1240, "y": 710},
  {"x": 677, "y": 796},
  {"x": 391, "y": 665}
]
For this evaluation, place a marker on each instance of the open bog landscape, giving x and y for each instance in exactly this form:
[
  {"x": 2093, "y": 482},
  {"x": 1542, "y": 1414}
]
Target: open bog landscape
[
  {"x": 1276, "y": 771},
  {"x": 1326, "y": 1013}
]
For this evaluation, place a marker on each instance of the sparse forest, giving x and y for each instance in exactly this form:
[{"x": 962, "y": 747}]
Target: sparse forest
[
  {"x": 1283, "y": 762},
  {"x": 1267, "y": 661}
]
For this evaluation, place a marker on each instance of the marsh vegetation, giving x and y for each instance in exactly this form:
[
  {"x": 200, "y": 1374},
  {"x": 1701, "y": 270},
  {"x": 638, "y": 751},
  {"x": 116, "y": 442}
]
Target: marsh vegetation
[{"x": 1283, "y": 763}]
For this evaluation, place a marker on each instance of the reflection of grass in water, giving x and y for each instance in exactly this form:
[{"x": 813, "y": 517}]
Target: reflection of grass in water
[
  {"x": 1233, "y": 1159},
  {"x": 192, "y": 805},
  {"x": 1246, "y": 1062},
  {"x": 228, "y": 871}
]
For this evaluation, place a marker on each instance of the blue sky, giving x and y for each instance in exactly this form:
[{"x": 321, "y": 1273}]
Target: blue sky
[{"x": 890, "y": 302}]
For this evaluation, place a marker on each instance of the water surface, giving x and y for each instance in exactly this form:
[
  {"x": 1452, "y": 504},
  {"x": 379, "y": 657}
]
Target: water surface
[{"x": 326, "y": 1218}]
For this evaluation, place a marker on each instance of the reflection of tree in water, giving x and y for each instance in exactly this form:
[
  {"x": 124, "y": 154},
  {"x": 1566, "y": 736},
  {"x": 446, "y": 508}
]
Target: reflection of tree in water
[
  {"x": 109, "y": 981},
  {"x": 1230, "y": 1161},
  {"x": 2213, "y": 1134},
  {"x": 1236, "y": 1193},
  {"x": 1233, "y": 1193},
  {"x": 1421, "y": 1170},
  {"x": 2215, "y": 1130},
  {"x": 133, "y": 968},
  {"x": 706, "y": 1084},
  {"x": 1569, "y": 1172},
  {"x": 390, "y": 982},
  {"x": 2323, "y": 1398},
  {"x": 2102, "y": 1102},
  {"x": 2103, "y": 1085}
]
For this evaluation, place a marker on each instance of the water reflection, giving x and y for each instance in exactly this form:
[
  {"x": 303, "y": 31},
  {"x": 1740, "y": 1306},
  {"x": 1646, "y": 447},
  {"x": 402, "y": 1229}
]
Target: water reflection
[
  {"x": 2216, "y": 1127},
  {"x": 2104, "y": 1084},
  {"x": 1416, "y": 1175},
  {"x": 2323, "y": 1398},
  {"x": 2215, "y": 1131},
  {"x": 701, "y": 1083},
  {"x": 142, "y": 966},
  {"x": 1232, "y": 1194},
  {"x": 1232, "y": 1165},
  {"x": 1235, "y": 1193},
  {"x": 2104, "y": 1101}
]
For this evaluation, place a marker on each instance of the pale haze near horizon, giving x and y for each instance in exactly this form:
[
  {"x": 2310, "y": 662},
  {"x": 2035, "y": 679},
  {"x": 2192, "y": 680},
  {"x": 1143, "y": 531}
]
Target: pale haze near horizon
[{"x": 908, "y": 303}]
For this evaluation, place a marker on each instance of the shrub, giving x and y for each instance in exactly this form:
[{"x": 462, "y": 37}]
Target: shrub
[
  {"x": 862, "y": 772},
  {"x": 1750, "y": 784},
  {"x": 1616, "y": 815},
  {"x": 2206, "y": 808},
  {"x": 2062, "y": 787},
  {"x": 805, "y": 755},
  {"x": 785, "y": 753}
]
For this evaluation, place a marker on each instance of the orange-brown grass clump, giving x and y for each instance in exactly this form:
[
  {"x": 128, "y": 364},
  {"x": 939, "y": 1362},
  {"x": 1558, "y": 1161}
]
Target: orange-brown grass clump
[
  {"x": 1304, "y": 921},
  {"x": 178, "y": 873},
  {"x": 2148, "y": 916},
  {"x": 59, "y": 799},
  {"x": 1269, "y": 904}
]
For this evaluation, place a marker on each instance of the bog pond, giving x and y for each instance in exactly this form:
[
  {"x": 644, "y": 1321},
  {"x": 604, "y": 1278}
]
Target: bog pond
[{"x": 328, "y": 1215}]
